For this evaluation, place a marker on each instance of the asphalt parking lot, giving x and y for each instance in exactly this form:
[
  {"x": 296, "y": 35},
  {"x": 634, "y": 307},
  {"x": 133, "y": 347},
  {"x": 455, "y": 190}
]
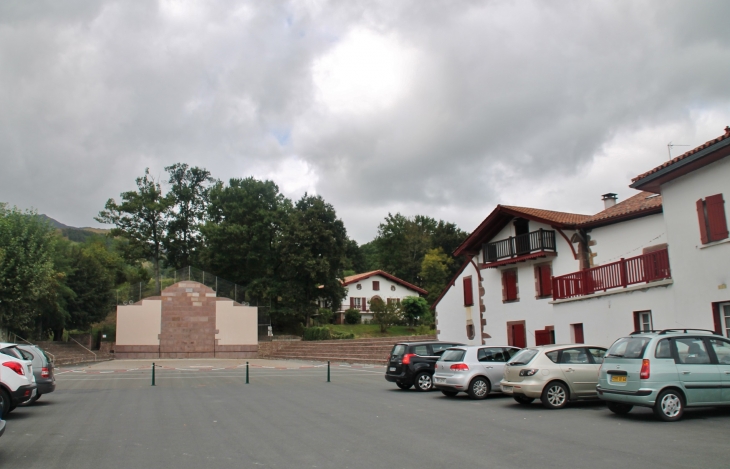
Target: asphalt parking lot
[{"x": 201, "y": 414}]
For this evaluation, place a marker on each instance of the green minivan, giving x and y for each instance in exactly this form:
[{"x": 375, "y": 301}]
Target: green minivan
[{"x": 666, "y": 370}]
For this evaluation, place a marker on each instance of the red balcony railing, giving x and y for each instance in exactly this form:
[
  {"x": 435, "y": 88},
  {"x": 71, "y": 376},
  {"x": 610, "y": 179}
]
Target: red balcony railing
[{"x": 640, "y": 269}]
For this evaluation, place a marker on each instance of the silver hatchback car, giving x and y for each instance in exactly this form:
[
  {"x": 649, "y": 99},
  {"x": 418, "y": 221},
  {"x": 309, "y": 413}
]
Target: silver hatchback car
[{"x": 473, "y": 369}]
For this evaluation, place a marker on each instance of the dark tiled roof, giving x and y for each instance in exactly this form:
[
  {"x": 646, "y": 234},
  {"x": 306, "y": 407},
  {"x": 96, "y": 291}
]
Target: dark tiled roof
[
  {"x": 643, "y": 202},
  {"x": 358, "y": 277},
  {"x": 684, "y": 155}
]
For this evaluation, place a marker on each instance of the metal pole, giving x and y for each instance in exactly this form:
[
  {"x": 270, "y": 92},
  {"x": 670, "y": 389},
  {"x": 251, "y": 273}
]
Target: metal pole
[
  {"x": 246, "y": 372},
  {"x": 328, "y": 371},
  {"x": 153, "y": 374}
]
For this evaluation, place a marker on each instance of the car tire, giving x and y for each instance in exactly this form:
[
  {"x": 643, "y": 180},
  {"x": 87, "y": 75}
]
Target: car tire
[
  {"x": 449, "y": 393},
  {"x": 669, "y": 405},
  {"x": 524, "y": 400},
  {"x": 555, "y": 395},
  {"x": 479, "y": 388},
  {"x": 4, "y": 403},
  {"x": 424, "y": 382},
  {"x": 619, "y": 408},
  {"x": 403, "y": 386}
]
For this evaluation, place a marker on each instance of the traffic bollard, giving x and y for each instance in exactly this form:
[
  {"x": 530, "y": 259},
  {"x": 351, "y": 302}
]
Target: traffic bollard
[
  {"x": 153, "y": 374},
  {"x": 328, "y": 371},
  {"x": 246, "y": 372}
]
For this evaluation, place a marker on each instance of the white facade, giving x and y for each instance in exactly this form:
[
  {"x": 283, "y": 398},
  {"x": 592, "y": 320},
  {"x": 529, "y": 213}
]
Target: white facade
[
  {"x": 361, "y": 291},
  {"x": 694, "y": 296}
]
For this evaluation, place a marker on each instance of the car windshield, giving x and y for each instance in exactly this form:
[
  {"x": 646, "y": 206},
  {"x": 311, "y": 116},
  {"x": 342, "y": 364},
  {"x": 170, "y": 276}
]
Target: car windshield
[
  {"x": 453, "y": 355},
  {"x": 628, "y": 347},
  {"x": 523, "y": 357}
]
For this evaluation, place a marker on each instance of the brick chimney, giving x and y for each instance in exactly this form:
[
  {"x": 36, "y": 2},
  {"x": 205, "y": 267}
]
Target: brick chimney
[{"x": 609, "y": 200}]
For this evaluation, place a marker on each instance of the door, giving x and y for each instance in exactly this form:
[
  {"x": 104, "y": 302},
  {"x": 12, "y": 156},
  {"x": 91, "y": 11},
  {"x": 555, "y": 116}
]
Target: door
[
  {"x": 522, "y": 236},
  {"x": 518, "y": 335},
  {"x": 580, "y": 372},
  {"x": 493, "y": 360},
  {"x": 700, "y": 377},
  {"x": 721, "y": 348}
]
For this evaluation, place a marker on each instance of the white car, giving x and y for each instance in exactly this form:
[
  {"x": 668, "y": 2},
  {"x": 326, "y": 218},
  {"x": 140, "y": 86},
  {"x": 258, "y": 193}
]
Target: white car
[{"x": 17, "y": 383}]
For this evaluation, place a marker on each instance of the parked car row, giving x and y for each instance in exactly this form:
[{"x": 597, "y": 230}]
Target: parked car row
[
  {"x": 26, "y": 373},
  {"x": 667, "y": 370}
]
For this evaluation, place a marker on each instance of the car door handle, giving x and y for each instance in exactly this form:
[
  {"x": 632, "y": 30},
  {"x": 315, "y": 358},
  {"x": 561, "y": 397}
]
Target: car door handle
[
  {"x": 488, "y": 367},
  {"x": 569, "y": 370},
  {"x": 727, "y": 372},
  {"x": 686, "y": 372}
]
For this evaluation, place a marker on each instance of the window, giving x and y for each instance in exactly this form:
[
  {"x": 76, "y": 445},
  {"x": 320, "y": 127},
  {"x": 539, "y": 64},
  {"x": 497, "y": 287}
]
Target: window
[
  {"x": 392, "y": 288},
  {"x": 629, "y": 347},
  {"x": 577, "y": 330},
  {"x": 721, "y": 313},
  {"x": 692, "y": 351},
  {"x": 574, "y": 356},
  {"x": 393, "y": 301},
  {"x": 470, "y": 332},
  {"x": 358, "y": 286},
  {"x": 358, "y": 303},
  {"x": 597, "y": 354},
  {"x": 711, "y": 215},
  {"x": 439, "y": 347},
  {"x": 376, "y": 285},
  {"x": 509, "y": 285},
  {"x": 420, "y": 350},
  {"x": 492, "y": 354},
  {"x": 553, "y": 356},
  {"x": 642, "y": 321},
  {"x": 663, "y": 349},
  {"x": 516, "y": 334},
  {"x": 543, "y": 281},
  {"x": 455, "y": 355},
  {"x": 468, "y": 292},
  {"x": 510, "y": 352},
  {"x": 722, "y": 350}
]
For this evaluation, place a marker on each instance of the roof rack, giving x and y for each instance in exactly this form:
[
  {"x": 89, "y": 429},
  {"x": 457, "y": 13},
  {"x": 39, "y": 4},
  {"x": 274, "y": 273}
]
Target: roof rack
[
  {"x": 645, "y": 332},
  {"x": 685, "y": 329}
]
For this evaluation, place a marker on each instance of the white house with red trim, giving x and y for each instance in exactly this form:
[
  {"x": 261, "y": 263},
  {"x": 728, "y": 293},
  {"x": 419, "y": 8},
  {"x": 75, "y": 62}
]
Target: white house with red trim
[
  {"x": 362, "y": 288},
  {"x": 660, "y": 259}
]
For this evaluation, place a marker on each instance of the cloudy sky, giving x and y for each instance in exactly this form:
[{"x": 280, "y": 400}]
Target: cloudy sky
[{"x": 419, "y": 107}]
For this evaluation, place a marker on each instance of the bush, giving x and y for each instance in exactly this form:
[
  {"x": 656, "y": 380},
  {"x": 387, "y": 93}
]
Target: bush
[
  {"x": 353, "y": 316},
  {"x": 324, "y": 316},
  {"x": 324, "y": 333}
]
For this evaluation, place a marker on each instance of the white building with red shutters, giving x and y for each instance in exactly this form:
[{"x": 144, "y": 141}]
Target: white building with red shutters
[
  {"x": 363, "y": 288},
  {"x": 660, "y": 259}
]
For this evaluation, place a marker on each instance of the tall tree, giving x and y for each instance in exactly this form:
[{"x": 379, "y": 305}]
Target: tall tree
[
  {"x": 312, "y": 255},
  {"x": 27, "y": 277},
  {"x": 402, "y": 243},
  {"x": 245, "y": 220},
  {"x": 189, "y": 190},
  {"x": 435, "y": 272},
  {"x": 141, "y": 218}
]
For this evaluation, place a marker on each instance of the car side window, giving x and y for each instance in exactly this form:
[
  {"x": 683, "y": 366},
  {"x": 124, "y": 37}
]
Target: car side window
[
  {"x": 420, "y": 350},
  {"x": 26, "y": 355},
  {"x": 597, "y": 354},
  {"x": 574, "y": 356},
  {"x": 509, "y": 353},
  {"x": 722, "y": 350},
  {"x": 692, "y": 351},
  {"x": 553, "y": 356},
  {"x": 663, "y": 349},
  {"x": 491, "y": 354}
]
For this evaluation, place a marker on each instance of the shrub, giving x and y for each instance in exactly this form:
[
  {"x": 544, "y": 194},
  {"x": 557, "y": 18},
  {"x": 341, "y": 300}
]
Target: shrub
[
  {"x": 385, "y": 315},
  {"x": 324, "y": 333},
  {"x": 324, "y": 316},
  {"x": 353, "y": 316}
]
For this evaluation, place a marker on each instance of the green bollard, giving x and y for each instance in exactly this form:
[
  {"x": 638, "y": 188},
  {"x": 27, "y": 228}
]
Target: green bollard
[
  {"x": 246, "y": 372},
  {"x": 153, "y": 374},
  {"x": 328, "y": 371}
]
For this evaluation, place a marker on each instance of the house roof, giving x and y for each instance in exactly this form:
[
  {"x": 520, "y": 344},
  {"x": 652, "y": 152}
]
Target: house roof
[
  {"x": 550, "y": 216},
  {"x": 708, "y": 152},
  {"x": 643, "y": 203},
  {"x": 359, "y": 277}
]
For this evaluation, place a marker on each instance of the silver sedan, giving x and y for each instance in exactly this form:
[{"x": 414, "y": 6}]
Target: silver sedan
[{"x": 473, "y": 369}]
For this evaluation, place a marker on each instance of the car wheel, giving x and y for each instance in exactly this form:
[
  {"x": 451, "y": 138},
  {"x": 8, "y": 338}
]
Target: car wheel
[
  {"x": 555, "y": 395},
  {"x": 4, "y": 403},
  {"x": 479, "y": 388},
  {"x": 618, "y": 408},
  {"x": 403, "y": 385},
  {"x": 669, "y": 405},
  {"x": 424, "y": 382},
  {"x": 449, "y": 393},
  {"x": 524, "y": 400}
]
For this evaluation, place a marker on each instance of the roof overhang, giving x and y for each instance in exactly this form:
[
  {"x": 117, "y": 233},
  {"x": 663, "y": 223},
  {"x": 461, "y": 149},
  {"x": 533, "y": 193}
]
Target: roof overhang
[{"x": 515, "y": 260}]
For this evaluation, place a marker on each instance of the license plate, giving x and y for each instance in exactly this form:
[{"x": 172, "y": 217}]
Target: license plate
[
  {"x": 507, "y": 388},
  {"x": 440, "y": 380},
  {"x": 618, "y": 379},
  {"x": 392, "y": 368}
]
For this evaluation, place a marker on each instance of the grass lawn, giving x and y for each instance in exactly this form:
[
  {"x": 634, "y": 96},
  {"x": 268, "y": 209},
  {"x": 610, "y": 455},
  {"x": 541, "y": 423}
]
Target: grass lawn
[{"x": 373, "y": 330}]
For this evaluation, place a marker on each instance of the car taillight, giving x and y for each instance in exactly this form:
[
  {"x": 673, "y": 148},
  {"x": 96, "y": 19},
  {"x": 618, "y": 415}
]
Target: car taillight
[
  {"x": 644, "y": 369},
  {"x": 16, "y": 367},
  {"x": 460, "y": 367},
  {"x": 528, "y": 372},
  {"x": 407, "y": 358},
  {"x": 45, "y": 373}
]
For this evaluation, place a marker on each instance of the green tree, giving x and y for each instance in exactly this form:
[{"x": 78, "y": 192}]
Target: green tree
[
  {"x": 385, "y": 314},
  {"x": 435, "y": 272},
  {"x": 312, "y": 254},
  {"x": 244, "y": 226},
  {"x": 27, "y": 277},
  {"x": 402, "y": 242},
  {"x": 189, "y": 190},
  {"x": 415, "y": 310},
  {"x": 141, "y": 218}
]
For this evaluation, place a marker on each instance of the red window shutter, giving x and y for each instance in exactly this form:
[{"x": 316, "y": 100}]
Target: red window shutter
[
  {"x": 364, "y": 304},
  {"x": 578, "y": 333},
  {"x": 546, "y": 285},
  {"x": 509, "y": 277},
  {"x": 703, "y": 221},
  {"x": 637, "y": 322},
  {"x": 376, "y": 285},
  {"x": 716, "y": 217},
  {"x": 468, "y": 292},
  {"x": 352, "y": 302},
  {"x": 716, "y": 319}
]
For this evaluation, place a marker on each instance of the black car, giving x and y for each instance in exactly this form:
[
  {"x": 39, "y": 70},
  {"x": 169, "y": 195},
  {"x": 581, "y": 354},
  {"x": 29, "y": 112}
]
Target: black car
[{"x": 413, "y": 363}]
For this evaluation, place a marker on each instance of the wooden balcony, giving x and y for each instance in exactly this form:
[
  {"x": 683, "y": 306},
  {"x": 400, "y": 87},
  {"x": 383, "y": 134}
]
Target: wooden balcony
[
  {"x": 640, "y": 269},
  {"x": 515, "y": 246}
]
